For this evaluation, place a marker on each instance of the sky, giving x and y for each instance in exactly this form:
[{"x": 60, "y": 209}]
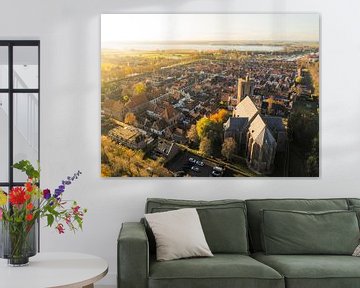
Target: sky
[{"x": 209, "y": 27}]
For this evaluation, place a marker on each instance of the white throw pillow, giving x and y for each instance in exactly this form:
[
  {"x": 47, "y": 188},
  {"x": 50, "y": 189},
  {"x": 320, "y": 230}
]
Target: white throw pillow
[
  {"x": 357, "y": 251},
  {"x": 178, "y": 234}
]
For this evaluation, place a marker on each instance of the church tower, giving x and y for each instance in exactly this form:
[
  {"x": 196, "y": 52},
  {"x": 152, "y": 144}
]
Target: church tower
[{"x": 245, "y": 88}]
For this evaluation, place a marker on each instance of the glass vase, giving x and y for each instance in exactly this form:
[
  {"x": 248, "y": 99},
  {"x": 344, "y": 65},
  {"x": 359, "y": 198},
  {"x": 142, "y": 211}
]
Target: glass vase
[{"x": 18, "y": 242}]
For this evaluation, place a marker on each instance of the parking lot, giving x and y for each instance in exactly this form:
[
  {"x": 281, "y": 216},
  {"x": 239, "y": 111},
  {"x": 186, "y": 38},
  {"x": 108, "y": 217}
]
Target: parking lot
[{"x": 181, "y": 163}]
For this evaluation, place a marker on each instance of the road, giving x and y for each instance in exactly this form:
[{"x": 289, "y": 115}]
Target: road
[{"x": 181, "y": 163}]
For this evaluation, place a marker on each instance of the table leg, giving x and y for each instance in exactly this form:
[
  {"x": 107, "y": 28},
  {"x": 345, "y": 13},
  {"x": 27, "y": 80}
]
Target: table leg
[{"x": 89, "y": 286}]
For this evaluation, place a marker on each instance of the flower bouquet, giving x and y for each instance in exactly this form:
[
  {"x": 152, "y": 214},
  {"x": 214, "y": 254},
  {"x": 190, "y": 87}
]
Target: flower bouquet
[{"x": 21, "y": 208}]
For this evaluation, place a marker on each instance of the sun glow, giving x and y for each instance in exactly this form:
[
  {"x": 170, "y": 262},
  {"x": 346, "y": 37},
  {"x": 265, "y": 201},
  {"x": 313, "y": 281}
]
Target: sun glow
[{"x": 209, "y": 27}]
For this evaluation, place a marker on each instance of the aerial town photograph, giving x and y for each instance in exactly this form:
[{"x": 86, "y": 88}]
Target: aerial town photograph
[{"x": 210, "y": 95}]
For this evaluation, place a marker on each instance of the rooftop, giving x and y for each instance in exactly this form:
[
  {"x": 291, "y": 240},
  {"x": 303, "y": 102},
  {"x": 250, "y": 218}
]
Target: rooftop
[{"x": 246, "y": 108}]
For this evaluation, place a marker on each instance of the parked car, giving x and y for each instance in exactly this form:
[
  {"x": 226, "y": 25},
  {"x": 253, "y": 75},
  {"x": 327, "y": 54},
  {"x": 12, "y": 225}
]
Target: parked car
[
  {"x": 218, "y": 169},
  {"x": 200, "y": 163},
  {"x": 216, "y": 173},
  {"x": 192, "y": 160},
  {"x": 180, "y": 173},
  {"x": 196, "y": 169}
]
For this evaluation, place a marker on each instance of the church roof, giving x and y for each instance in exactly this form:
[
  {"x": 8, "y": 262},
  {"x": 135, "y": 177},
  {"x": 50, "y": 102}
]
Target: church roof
[
  {"x": 260, "y": 133},
  {"x": 246, "y": 108},
  {"x": 236, "y": 123},
  {"x": 274, "y": 123}
]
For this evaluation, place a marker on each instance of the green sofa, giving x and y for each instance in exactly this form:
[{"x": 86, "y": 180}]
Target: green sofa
[{"x": 233, "y": 230}]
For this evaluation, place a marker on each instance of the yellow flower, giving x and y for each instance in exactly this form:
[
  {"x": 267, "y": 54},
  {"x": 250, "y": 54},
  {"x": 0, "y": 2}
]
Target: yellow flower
[{"x": 3, "y": 198}]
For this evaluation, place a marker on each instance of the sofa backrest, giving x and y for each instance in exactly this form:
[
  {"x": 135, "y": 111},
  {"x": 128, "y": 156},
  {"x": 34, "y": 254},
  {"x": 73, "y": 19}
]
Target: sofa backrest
[
  {"x": 353, "y": 202},
  {"x": 255, "y": 206},
  {"x": 223, "y": 221}
]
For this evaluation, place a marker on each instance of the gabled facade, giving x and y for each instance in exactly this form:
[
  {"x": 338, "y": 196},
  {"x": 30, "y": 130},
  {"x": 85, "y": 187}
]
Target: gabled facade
[{"x": 255, "y": 135}]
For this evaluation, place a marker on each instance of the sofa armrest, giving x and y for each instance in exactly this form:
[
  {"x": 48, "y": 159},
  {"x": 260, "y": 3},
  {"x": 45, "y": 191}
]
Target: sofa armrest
[{"x": 133, "y": 256}]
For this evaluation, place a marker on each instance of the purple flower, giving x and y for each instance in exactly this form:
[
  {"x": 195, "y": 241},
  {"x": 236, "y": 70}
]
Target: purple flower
[
  {"x": 58, "y": 192},
  {"x": 46, "y": 194},
  {"x": 64, "y": 183}
]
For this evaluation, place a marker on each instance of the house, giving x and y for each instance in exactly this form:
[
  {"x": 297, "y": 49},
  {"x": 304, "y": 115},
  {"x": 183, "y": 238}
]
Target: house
[
  {"x": 113, "y": 108},
  {"x": 129, "y": 136},
  {"x": 158, "y": 127},
  {"x": 166, "y": 149},
  {"x": 137, "y": 103},
  {"x": 170, "y": 115}
]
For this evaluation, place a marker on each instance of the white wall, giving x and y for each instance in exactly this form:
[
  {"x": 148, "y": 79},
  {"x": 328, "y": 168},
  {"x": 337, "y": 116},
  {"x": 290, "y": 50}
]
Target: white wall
[{"x": 69, "y": 31}]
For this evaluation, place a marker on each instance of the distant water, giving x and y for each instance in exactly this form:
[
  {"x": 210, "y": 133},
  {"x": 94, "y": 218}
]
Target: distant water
[{"x": 185, "y": 46}]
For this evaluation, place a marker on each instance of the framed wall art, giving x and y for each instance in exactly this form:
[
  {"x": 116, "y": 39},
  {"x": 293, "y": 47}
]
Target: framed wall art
[{"x": 210, "y": 95}]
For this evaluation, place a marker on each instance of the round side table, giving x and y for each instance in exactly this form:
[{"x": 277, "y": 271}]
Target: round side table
[{"x": 54, "y": 270}]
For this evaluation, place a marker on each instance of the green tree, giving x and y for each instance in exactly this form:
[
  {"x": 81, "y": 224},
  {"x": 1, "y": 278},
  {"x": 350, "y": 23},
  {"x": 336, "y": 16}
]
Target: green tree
[
  {"x": 312, "y": 162},
  {"x": 312, "y": 166},
  {"x": 303, "y": 128},
  {"x": 228, "y": 148},
  {"x": 205, "y": 146},
  {"x": 215, "y": 134}
]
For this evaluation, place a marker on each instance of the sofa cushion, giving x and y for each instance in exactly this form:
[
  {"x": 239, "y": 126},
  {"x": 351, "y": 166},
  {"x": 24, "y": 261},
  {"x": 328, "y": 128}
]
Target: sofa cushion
[
  {"x": 356, "y": 209},
  {"x": 255, "y": 206},
  {"x": 313, "y": 271},
  {"x": 297, "y": 232},
  {"x": 222, "y": 270},
  {"x": 223, "y": 221},
  {"x": 178, "y": 234}
]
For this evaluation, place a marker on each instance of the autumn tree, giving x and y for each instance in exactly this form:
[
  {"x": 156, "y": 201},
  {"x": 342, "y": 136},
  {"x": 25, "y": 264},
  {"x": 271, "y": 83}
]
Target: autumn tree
[
  {"x": 202, "y": 127},
  {"x": 212, "y": 130},
  {"x": 130, "y": 119},
  {"x": 228, "y": 148},
  {"x": 125, "y": 98},
  {"x": 205, "y": 146},
  {"x": 192, "y": 134},
  {"x": 139, "y": 88},
  {"x": 299, "y": 80},
  {"x": 220, "y": 117},
  {"x": 118, "y": 160}
]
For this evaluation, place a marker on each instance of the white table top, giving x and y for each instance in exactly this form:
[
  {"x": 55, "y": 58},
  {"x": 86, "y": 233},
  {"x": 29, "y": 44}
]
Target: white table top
[{"x": 45, "y": 270}]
